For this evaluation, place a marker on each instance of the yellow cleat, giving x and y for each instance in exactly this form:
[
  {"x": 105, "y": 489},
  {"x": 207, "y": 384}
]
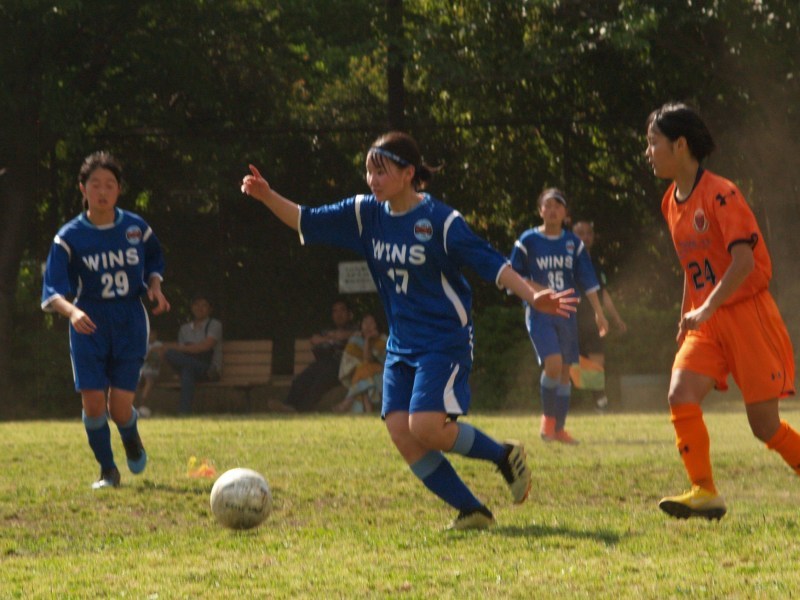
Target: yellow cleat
[
  {"x": 697, "y": 502},
  {"x": 515, "y": 471},
  {"x": 479, "y": 518}
]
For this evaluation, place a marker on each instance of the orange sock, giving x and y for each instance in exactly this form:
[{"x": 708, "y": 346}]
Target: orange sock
[
  {"x": 786, "y": 442},
  {"x": 693, "y": 444}
]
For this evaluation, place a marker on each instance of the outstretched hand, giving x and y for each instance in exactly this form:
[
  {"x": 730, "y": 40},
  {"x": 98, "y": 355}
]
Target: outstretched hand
[
  {"x": 556, "y": 303},
  {"x": 255, "y": 185}
]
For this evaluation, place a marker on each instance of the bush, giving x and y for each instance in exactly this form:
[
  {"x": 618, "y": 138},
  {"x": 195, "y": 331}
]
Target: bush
[
  {"x": 501, "y": 344},
  {"x": 40, "y": 365},
  {"x": 44, "y": 387},
  {"x": 649, "y": 344}
]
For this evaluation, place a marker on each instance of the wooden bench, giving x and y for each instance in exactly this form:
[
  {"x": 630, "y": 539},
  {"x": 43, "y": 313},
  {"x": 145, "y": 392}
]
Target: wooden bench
[
  {"x": 246, "y": 364},
  {"x": 304, "y": 356}
]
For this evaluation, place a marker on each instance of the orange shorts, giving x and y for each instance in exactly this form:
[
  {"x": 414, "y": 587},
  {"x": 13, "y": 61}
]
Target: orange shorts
[{"x": 748, "y": 340}]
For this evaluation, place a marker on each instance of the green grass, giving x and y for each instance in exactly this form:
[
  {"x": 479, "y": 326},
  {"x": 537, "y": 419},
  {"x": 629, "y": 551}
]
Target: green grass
[{"x": 350, "y": 521}]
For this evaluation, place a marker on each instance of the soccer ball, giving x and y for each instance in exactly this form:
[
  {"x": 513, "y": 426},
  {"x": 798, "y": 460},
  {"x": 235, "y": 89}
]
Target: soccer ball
[{"x": 240, "y": 499}]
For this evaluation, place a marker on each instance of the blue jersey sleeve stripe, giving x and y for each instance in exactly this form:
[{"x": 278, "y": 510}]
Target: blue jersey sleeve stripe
[
  {"x": 449, "y": 221},
  {"x": 48, "y": 301},
  {"x": 456, "y": 301},
  {"x": 358, "y": 200},
  {"x": 299, "y": 226},
  {"x": 521, "y": 246},
  {"x": 64, "y": 245},
  {"x": 500, "y": 272},
  {"x": 147, "y": 234}
]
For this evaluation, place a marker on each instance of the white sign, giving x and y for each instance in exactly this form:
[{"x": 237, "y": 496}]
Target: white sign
[{"x": 354, "y": 277}]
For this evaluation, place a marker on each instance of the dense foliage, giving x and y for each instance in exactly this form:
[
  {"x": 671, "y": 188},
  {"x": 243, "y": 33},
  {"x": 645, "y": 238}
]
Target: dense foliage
[{"x": 508, "y": 96}]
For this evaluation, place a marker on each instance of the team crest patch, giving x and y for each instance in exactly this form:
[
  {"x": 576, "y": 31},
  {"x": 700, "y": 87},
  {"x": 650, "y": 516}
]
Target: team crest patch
[
  {"x": 423, "y": 230},
  {"x": 570, "y": 247},
  {"x": 133, "y": 234},
  {"x": 700, "y": 222}
]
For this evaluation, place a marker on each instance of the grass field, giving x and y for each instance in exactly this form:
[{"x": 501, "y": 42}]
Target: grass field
[{"x": 350, "y": 521}]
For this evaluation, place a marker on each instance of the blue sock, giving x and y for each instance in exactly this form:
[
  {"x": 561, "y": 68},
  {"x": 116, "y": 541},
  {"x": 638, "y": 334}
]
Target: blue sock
[
  {"x": 130, "y": 429},
  {"x": 438, "y": 475},
  {"x": 548, "y": 389},
  {"x": 99, "y": 434},
  {"x": 562, "y": 404},
  {"x": 473, "y": 443}
]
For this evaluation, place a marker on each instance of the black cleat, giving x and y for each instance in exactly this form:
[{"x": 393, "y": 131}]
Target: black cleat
[
  {"x": 108, "y": 478},
  {"x": 134, "y": 451}
]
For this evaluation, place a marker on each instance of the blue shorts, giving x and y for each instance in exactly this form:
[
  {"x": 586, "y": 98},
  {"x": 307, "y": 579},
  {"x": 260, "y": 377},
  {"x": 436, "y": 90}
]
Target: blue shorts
[
  {"x": 551, "y": 334},
  {"x": 113, "y": 355},
  {"x": 426, "y": 383}
]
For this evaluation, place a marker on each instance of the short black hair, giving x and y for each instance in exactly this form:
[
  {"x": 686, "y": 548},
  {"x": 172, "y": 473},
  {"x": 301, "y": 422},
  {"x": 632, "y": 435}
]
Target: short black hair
[
  {"x": 199, "y": 295},
  {"x": 676, "y": 119}
]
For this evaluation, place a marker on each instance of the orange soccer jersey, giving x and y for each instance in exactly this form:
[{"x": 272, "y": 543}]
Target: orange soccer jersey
[
  {"x": 746, "y": 336},
  {"x": 705, "y": 226}
]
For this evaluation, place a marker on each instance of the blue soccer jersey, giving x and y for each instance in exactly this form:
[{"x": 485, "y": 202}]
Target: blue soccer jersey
[
  {"x": 102, "y": 263},
  {"x": 559, "y": 262},
  {"x": 415, "y": 259},
  {"x": 105, "y": 269}
]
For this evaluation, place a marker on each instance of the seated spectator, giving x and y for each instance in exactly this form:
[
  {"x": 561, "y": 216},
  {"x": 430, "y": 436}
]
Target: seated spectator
[
  {"x": 361, "y": 369},
  {"x": 197, "y": 356},
  {"x": 310, "y": 386}
]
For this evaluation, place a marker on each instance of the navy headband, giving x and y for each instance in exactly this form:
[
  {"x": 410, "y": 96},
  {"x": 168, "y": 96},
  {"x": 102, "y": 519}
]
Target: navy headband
[
  {"x": 557, "y": 197},
  {"x": 390, "y": 155}
]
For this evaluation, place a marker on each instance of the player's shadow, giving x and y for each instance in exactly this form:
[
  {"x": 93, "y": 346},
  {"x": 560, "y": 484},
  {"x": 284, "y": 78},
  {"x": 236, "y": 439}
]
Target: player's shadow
[
  {"x": 148, "y": 486},
  {"x": 603, "y": 536},
  {"x": 632, "y": 442}
]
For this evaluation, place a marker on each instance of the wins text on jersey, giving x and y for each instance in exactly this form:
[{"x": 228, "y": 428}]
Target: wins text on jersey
[
  {"x": 394, "y": 253},
  {"x": 108, "y": 260}
]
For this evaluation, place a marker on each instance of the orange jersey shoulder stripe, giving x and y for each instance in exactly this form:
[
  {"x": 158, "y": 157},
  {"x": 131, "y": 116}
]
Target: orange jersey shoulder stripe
[{"x": 705, "y": 226}]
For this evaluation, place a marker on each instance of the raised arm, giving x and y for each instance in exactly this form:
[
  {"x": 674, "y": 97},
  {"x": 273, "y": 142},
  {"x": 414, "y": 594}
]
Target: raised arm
[{"x": 256, "y": 186}]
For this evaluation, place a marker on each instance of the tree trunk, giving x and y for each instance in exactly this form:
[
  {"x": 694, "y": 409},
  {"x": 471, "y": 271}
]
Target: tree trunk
[
  {"x": 395, "y": 63},
  {"x": 16, "y": 199}
]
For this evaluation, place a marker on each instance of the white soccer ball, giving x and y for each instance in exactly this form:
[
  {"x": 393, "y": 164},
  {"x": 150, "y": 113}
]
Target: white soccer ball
[{"x": 241, "y": 499}]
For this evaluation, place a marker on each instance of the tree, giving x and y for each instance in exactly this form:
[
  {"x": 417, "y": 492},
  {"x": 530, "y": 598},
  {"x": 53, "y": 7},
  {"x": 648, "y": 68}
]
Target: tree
[{"x": 508, "y": 96}]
